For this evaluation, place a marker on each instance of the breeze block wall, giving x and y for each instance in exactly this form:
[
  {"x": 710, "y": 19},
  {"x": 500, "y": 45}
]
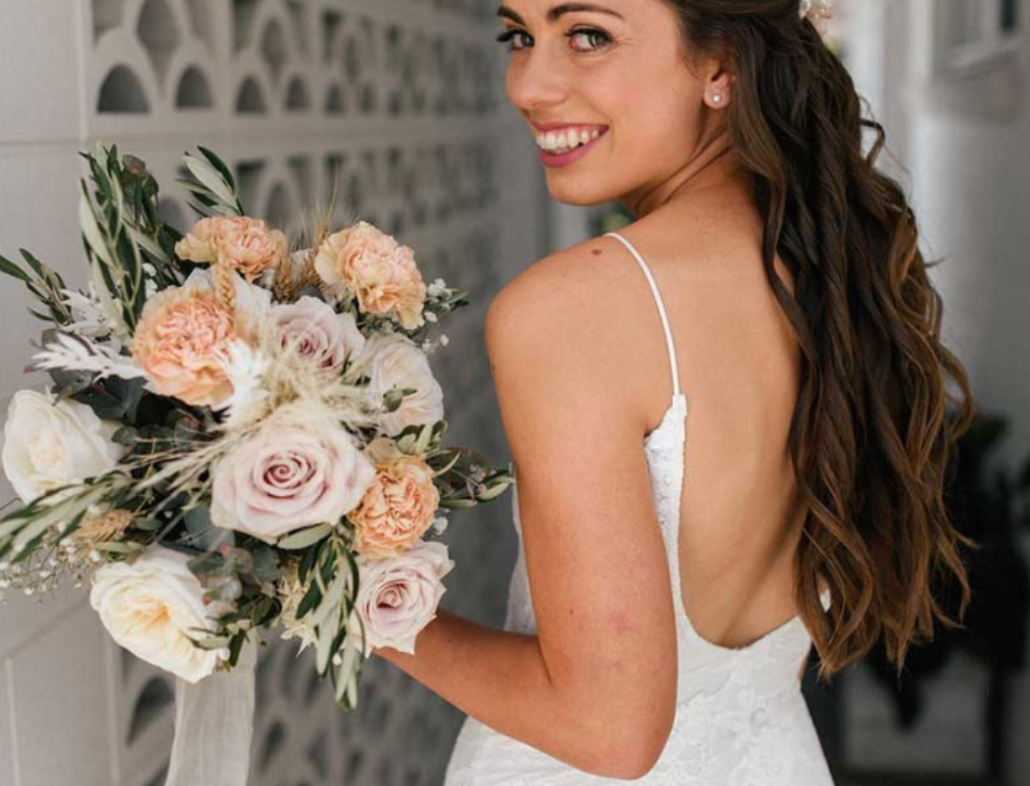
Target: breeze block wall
[{"x": 398, "y": 107}]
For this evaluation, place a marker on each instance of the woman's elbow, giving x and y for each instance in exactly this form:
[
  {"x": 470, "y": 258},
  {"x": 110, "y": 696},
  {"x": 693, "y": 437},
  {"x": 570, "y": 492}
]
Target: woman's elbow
[
  {"x": 638, "y": 763},
  {"x": 634, "y": 754}
]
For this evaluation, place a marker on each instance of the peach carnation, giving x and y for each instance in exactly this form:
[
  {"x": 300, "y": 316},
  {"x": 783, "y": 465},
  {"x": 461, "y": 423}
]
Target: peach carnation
[
  {"x": 244, "y": 244},
  {"x": 397, "y": 508},
  {"x": 372, "y": 266},
  {"x": 179, "y": 341}
]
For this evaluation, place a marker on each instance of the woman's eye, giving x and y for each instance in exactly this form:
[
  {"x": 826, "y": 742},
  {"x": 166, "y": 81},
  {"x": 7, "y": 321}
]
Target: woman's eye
[
  {"x": 509, "y": 35},
  {"x": 599, "y": 37}
]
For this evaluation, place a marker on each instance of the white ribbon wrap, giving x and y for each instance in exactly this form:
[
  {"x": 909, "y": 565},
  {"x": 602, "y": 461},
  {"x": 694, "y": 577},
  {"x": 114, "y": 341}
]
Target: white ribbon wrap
[{"x": 214, "y": 725}]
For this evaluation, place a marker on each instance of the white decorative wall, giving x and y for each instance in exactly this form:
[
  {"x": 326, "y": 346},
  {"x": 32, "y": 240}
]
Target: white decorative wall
[{"x": 399, "y": 106}]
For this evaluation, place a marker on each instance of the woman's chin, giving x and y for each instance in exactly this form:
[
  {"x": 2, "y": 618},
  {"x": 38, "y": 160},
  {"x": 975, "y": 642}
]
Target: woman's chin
[{"x": 570, "y": 194}]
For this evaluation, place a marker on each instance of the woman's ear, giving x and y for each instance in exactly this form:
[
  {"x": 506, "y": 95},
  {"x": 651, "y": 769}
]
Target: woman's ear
[
  {"x": 719, "y": 88},
  {"x": 720, "y": 78}
]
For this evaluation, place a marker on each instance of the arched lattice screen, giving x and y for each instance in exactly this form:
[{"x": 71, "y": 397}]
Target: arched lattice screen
[{"x": 399, "y": 106}]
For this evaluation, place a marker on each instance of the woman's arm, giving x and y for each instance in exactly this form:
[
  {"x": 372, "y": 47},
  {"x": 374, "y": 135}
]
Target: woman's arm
[
  {"x": 499, "y": 678},
  {"x": 596, "y": 686}
]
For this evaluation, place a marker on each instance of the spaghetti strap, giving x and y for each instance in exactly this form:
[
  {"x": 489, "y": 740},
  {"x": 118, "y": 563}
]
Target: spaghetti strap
[{"x": 661, "y": 309}]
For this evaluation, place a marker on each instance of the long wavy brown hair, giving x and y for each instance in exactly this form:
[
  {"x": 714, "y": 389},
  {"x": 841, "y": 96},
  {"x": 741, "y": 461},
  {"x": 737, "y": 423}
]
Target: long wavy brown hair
[{"x": 871, "y": 435}]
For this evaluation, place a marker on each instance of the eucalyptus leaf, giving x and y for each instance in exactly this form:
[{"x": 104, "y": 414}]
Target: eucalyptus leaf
[
  {"x": 210, "y": 178},
  {"x": 203, "y": 534},
  {"x": 213, "y": 642},
  {"x": 267, "y": 565},
  {"x": 234, "y": 648},
  {"x": 311, "y": 599},
  {"x": 406, "y": 444},
  {"x": 305, "y": 537},
  {"x": 457, "y": 504},
  {"x": 492, "y": 492},
  {"x": 11, "y": 269},
  {"x": 330, "y": 602},
  {"x": 91, "y": 230},
  {"x": 68, "y": 383},
  {"x": 220, "y": 165},
  {"x": 424, "y": 437}
]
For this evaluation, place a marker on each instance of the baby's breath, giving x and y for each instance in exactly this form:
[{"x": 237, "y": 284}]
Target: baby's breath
[{"x": 45, "y": 570}]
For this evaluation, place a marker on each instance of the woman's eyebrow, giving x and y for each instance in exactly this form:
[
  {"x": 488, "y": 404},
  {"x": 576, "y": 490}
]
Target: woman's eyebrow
[{"x": 555, "y": 13}]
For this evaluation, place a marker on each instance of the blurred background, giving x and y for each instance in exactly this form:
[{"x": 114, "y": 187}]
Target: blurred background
[{"x": 400, "y": 103}]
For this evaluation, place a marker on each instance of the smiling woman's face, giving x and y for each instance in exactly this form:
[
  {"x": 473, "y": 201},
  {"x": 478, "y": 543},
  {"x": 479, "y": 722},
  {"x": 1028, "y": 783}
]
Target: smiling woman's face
[{"x": 610, "y": 69}]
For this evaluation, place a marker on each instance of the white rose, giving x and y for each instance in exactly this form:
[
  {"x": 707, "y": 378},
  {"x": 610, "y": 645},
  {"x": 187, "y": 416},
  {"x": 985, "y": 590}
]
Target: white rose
[
  {"x": 396, "y": 362},
  {"x": 47, "y": 445},
  {"x": 398, "y": 596},
  {"x": 317, "y": 331},
  {"x": 301, "y": 468},
  {"x": 150, "y": 606}
]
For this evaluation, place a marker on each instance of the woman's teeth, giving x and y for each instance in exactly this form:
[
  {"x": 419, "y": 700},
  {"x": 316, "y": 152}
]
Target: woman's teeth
[{"x": 564, "y": 141}]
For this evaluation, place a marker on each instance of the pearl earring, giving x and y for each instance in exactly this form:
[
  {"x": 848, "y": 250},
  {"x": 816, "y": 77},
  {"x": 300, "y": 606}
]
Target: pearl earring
[{"x": 717, "y": 98}]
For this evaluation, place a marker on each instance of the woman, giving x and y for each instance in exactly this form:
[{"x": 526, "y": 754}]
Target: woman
[{"x": 772, "y": 278}]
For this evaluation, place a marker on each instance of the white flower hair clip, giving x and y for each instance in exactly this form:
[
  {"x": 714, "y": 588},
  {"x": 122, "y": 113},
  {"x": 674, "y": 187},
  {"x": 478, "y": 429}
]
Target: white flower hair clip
[{"x": 818, "y": 12}]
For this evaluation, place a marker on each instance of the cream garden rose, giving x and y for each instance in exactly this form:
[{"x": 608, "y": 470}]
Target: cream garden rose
[
  {"x": 398, "y": 596},
  {"x": 247, "y": 245},
  {"x": 317, "y": 332},
  {"x": 397, "y": 509},
  {"x": 375, "y": 268},
  {"x": 300, "y": 469},
  {"x": 394, "y": 361},
  {"x": 48, "y": 444},
  {"x": 151, "y": 606}
]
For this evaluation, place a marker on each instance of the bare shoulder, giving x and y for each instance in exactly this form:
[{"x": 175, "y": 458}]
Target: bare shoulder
[
  {"x": 565, "y": 310},
  {"x": 570, "y": 284}
]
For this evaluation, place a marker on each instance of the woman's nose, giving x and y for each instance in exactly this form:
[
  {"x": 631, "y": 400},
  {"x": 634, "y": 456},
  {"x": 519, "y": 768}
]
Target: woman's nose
[{"x": 536, "y": 80}]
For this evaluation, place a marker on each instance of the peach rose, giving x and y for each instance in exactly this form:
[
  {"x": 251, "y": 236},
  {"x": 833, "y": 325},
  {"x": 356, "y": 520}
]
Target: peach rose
[
  {"x": 179, "y": 342},
  {"x": 372, "y": 266},
  {"x": 246, "y": 244},
  {"x": 397, "y": 508}
]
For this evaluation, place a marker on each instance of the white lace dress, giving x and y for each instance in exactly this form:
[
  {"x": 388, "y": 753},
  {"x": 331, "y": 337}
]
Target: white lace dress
[{"x": 741, "y": 719}]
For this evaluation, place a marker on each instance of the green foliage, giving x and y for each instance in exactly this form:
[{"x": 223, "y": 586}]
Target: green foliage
[
  {"x": 211, "y": 183},
  {"x": 43, "y": 283}
]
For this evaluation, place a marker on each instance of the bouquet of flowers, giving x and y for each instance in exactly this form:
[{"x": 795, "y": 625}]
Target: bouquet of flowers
[{"x": 237, "y": 436}]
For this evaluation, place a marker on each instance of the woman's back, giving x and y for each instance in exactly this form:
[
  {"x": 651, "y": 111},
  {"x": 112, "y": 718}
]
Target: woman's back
[{"x": 739, "y": 365}]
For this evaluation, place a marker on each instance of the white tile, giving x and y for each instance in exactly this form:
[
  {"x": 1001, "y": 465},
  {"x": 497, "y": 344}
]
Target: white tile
[
  {"x": 61, "y": 705},
  {"x": 40, "y": 78},
  {"x": 8, "y": 775}
]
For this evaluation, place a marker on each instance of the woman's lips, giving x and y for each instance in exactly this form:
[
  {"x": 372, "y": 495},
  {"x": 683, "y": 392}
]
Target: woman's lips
[{"x": 551, "y": 159}]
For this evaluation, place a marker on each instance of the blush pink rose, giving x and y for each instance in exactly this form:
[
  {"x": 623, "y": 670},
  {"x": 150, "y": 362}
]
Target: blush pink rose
[
  {"x": 398, "y": 596},
  {"x": 299, "y": 470},
  {"x": 372, "y": 266},
  {"x": 397, "y": 509},
  {"x": 179, "y": 342},
  {"x": 247, "y": 245},
  {"x": 317, "y": 332}
]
